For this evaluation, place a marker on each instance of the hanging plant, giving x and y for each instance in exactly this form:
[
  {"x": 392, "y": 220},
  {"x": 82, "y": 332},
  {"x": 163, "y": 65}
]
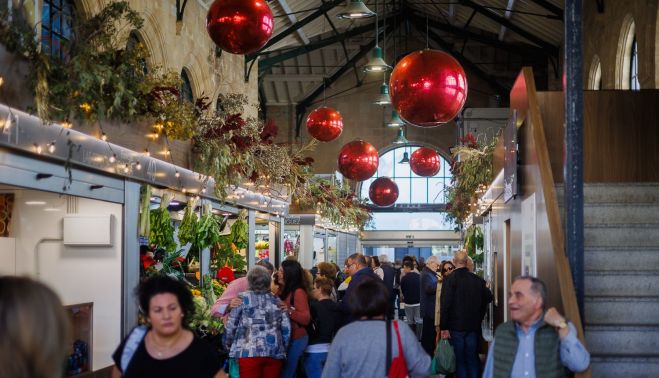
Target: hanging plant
[
  {"x": 474, "y": 242},
  {"x": 99, "y": 77},
  {"x": 471, "y": 168}
]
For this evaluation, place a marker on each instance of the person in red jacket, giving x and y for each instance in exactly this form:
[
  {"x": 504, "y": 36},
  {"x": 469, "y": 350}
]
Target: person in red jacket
[{"x": 296, "y": 303}]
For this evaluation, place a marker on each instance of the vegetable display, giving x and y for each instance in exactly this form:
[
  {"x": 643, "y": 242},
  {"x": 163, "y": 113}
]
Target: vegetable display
[
  {"x": 162, "y": 230},
  {"x": 208, "y": 230},
  {"x": 187, "y": 231}
]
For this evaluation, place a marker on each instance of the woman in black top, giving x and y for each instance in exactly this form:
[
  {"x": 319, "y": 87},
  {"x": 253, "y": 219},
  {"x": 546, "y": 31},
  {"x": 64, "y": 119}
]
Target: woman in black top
[
  {"x": 168, "y": 348},
  {"x": 326, "y": 317}
]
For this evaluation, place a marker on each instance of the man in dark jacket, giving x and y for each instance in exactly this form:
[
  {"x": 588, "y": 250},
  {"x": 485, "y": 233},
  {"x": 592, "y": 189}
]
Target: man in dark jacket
[
  {"x": 388, "y": 279},
  {"x": 427, "y": 300},
  {"x": 409, "y": 288},
  {"x": 464, "y": 299},
  {"x": 357, "y": 268}
]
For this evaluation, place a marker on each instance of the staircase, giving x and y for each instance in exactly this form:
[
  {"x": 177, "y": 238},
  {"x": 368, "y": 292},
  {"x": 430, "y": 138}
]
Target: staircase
[{"x": 621, "y": 264}]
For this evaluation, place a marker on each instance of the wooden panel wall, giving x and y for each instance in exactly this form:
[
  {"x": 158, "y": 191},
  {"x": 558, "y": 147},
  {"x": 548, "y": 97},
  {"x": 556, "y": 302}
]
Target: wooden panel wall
[{"x": 621, "y": 135}]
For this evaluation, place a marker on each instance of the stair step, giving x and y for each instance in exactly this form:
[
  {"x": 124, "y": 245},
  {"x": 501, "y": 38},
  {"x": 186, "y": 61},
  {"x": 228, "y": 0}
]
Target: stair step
[
  {"x": 621, "y": 259},
  {"x": 621, "y": 311},
  {"x": 616, "y": 367},
  {"x": 611, "y": 235},
  {"x": 622, "y": 283},
  {"x": 611, "y": 341},
  {"x": 621, "y": 213},
  {"x": 616, "y": 192}
]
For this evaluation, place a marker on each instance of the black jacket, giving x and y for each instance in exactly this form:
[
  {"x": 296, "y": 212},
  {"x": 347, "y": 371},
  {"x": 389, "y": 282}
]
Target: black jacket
[
  {"x": 388, "y": 279},
  {"x": 326, "y": 317},
  {"x": 464, "y": 300},
  {"x": 410, "y": 287}
]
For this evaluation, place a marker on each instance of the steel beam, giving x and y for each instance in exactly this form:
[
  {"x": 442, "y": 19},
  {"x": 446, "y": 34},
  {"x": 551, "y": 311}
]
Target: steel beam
[
  {"x": 503, "y": 21},
  {"x": 507, "y": 14},
  {"x": 574, "y": 220},
  {"x": 550, "y": 7},
  {"x": 298, "y": 25},
  {"x": 266, "y": 63},
  {"x": 291, "y": 17},
  {"x": 463, "y": 33}
]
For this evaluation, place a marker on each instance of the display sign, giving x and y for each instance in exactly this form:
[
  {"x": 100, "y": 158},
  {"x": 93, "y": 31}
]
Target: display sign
[
  {"x": 529, "y": 237},
  {"x": 510, "y": 158}
]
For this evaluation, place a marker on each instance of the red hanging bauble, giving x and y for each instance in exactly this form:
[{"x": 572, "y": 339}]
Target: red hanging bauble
[
  {"x": 383, "y": 191},
  {"x": 325, "y": 124},
  {"x": 428, "y": 88},
  {"x": 425, "y": 162},
  {"x": 240, "y": 26},
  {"x": 358, "y": 160}
]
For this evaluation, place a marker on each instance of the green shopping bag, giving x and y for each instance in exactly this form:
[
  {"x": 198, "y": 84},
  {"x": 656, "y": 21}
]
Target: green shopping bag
[{"x": 443, "y": 362}]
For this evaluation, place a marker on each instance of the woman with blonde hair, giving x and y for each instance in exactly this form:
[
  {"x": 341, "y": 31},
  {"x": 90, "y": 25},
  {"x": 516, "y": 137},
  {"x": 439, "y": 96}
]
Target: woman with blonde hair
[{"x": 35, "y": 330}]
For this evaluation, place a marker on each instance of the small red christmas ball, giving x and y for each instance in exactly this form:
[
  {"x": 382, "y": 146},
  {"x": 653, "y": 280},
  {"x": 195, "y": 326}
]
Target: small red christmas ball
[
  {"x": 428, "y": 88},
  {"x": 425, "y": 162},
  {"x": 325, "y": 124},
  {"x": 383, "y": 191},
  {"x": 240, "y": 26},
  {"x": 358, "y": 160}
]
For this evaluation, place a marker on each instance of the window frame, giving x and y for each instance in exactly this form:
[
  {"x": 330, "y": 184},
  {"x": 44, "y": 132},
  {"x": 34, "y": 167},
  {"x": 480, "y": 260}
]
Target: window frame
[{"x": 50, "y": 35}]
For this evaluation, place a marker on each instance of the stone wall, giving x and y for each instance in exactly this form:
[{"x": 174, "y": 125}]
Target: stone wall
[
  {"x": 604, "y": 40},
  {"x": 191, "y": 50}
]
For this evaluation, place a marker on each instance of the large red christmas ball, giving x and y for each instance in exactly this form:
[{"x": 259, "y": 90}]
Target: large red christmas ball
[
  {"x": 358, "y": 160},
  {"x": 383, "y": 191},
  {"x": 325, "y": 124},
  {"x": 425, "y": 162},
  {"x": 428, "y": 88},
  {"x": 240, "y": 26}
]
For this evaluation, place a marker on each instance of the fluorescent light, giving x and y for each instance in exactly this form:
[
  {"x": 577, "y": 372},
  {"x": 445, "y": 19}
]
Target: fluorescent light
[{"x": 35, "y": 203}]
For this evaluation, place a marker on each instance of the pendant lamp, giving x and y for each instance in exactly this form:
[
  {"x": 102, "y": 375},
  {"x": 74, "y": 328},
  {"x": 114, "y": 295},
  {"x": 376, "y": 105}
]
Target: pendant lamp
[
  {"x": 405, "y": 159},
  {"x": 376, "y": 63},
  {"x": 383, "y": 98},
  {"x": 395, "y": 120},
  {"x": 356, "y": 9},
  {"x": 400, "y": 138}
]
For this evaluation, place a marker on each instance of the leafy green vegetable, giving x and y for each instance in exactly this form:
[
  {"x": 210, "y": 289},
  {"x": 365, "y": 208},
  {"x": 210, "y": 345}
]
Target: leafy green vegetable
[
  {"x": 187, "y": 231},
  {"x": 145, "y": 202},
  {"x": 162, "y": 230},
  {"x": 208, "y": 230}
]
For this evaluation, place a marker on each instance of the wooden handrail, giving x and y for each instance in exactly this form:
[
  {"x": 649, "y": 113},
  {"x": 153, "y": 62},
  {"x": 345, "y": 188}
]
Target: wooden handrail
[{"x": 523, "y": 98}]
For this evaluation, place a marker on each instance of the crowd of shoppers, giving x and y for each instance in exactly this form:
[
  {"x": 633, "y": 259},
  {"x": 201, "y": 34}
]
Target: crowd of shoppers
[{"x": 286, "y": 323}]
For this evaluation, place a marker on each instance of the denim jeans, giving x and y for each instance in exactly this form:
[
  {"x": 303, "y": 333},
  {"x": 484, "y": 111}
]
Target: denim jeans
[
  {"x": 295, "y": 351},
  {"x": 314, "y": 363},
  {"x": 465, "y": 346}
]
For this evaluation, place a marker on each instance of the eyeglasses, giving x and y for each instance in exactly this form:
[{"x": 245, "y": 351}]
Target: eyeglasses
[{"x": 448, "y": 269}]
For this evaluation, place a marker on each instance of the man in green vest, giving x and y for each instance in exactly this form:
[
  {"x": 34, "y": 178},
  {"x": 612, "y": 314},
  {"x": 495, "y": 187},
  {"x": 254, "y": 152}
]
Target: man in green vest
[{"x": 532, "y": 345}]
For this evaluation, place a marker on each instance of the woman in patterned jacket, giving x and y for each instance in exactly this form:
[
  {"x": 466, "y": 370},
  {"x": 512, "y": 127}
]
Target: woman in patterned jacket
[{"x": 258, "y": 331}]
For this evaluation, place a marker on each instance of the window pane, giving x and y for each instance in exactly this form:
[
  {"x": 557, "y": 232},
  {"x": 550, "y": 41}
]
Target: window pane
[
  {"x": 57, "y": 22},
  {"x": 366, "y": 184},
  {"x": 386, "y": 165},
  {"x": 436, "y": 192},
  {"x": 403, "y": 190},
  {"x": 402, "y": 170},
  {"x": 419, "y": 190},
  {"x": 45, "y": 15}
]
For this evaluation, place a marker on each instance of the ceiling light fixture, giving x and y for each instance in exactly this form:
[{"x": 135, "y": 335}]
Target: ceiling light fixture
[
  {"x": 376, "y": 63},
  {"x": 355, "y": 10},
  {"x": 405, "y": 159},
  {"x": 395, "y": 121},
  {"x": 400, "y": 138},
  {"x": 384, "y": 98}
]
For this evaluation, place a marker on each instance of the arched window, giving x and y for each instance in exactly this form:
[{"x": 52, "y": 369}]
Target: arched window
[
  {"x": 595, "y": 74},
  {"x": 56, "y": 27},
  {"x": 421, "y": 200},
  {"x": 186, "y": 87},
  {"x": 634, "y": 84},
  {"x": 625, "y": 54},
  {"x": 134, "y": 42}
]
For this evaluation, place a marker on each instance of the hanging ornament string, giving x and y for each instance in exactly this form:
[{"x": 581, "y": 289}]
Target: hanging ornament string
[{"x": 427, "y": 40}]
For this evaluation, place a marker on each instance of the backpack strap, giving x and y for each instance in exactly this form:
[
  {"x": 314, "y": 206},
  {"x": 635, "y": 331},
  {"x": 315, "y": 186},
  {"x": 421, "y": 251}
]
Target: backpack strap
[
  {"x": 132, "y": 343},
  {"x": 388, "y": 325}
]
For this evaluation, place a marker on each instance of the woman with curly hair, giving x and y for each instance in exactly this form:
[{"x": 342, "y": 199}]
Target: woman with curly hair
[{"x": 166, "y": 348}]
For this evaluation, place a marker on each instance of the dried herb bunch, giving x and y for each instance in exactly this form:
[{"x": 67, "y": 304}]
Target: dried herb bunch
[
  {"x": 337, "y": 203},
  {"x": 233, "y": 149}
]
